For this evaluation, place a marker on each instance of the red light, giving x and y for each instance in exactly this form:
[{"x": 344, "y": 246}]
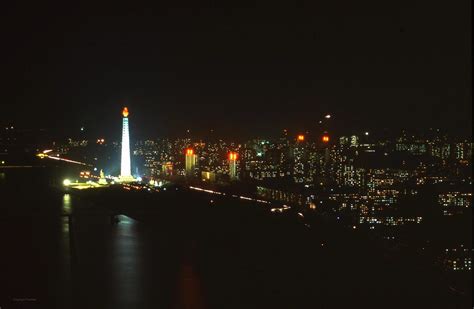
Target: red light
[
  {"x": 232, "y": 156},
  {"x": 189, "y": 152},
  {"x": 300, "y": 138},
  {"x": 325, "y": 138}
]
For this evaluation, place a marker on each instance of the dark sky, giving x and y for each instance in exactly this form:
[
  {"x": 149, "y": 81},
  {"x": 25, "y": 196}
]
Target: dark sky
[{"x": 240, "y": 69}]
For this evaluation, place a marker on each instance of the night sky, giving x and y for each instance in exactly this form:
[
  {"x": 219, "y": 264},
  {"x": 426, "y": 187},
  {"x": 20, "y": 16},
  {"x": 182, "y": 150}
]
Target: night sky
[{"x": 241, "y": 70}]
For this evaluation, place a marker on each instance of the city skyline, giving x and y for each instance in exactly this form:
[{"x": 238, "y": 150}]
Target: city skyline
[
  {"x": 383, "y": 199},
  {"x": 313, "y": 131},
  {"x": 215, "y": 155}
]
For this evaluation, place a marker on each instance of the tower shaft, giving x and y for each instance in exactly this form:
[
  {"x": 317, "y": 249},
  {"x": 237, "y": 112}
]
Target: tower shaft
[
  {"x": 125, "y": 165},
  {"x": 125, "y": 168}
]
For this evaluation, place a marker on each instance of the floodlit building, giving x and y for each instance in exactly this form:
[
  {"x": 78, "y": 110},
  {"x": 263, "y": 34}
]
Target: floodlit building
[
  {"x": 167, "y": 169},
  {"x": 190, "y": 162},
  {"x": 299, "y": 157},
  {"x": 233, "y": 165}
]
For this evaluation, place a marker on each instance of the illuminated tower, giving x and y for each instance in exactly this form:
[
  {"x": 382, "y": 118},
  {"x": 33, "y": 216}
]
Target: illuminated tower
[
  {"x": 326, "y": 167},
  {"x": 190, "y": 162},
  {"x": 325, "y": 139},
  {"x": 233, "y": 165},
  {"x": 125, "y": 168},
  {"x": 299, "y": 155}
]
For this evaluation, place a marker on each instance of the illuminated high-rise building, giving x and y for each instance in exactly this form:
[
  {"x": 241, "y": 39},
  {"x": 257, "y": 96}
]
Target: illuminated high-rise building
[
  {"x": 325, "y": 139},
  {"x": 167, "y": 169},
  {"x": 125, "y": 166},
  {"x": 299, "y": 156},
  {"x": 190, "y": 162},
  {"x": 233, "y": 165}
]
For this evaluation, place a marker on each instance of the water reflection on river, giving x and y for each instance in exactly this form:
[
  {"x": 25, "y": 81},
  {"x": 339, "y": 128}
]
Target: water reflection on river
[{"x": 62, "y": 252}]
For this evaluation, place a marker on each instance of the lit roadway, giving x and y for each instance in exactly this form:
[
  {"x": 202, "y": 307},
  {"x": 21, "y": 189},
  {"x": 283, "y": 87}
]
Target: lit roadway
[
  {"x": 45, "y": 154},
  {"x": 244, "y": 198}
]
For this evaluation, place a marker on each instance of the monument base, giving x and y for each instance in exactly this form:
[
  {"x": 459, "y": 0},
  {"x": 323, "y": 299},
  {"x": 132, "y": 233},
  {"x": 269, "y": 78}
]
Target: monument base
[{"x": 126, "y": 179}]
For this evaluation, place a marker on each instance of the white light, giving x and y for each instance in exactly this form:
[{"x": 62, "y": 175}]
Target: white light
[
  {"x": 327, "y": 116},
  {"x": 66, "y": 182},
  {"x": 139, "y": 179},
  {"x": 95, "y": 169},
  {"x": 125, "y": 168},
  {"x": 366, "y": 133}
]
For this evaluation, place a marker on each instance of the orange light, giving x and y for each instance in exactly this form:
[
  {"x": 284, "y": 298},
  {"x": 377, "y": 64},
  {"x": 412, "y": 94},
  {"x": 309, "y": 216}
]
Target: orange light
[
  {"x": 325, "y": 138},
  {"x": 232, "y": 156},
  {"x": 125, "y": 112},
  {"x": 300, "y": 138},
  {"x": 189, "y": 152}
]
